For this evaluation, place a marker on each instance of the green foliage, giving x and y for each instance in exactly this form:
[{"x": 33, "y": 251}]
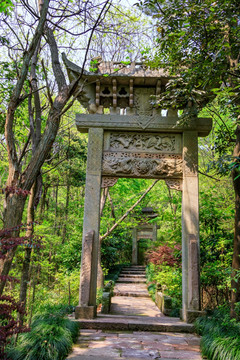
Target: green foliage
[
  {"x": 220, "y": 336},
  {"x": 216, "y": 234},
  {"x": 116, "y": 248},
  {"x": 166, "y": 278},
  {"x": 197, "y": 42},
  {"x": 6, "y": 6},
  {"x": 50, "y": 338}
]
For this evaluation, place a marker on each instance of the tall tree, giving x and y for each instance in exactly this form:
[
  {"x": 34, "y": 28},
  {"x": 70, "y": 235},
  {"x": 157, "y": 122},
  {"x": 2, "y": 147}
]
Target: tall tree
[
  {"x": 198, "y": 42},
  {"x": 44, "y": 25}
]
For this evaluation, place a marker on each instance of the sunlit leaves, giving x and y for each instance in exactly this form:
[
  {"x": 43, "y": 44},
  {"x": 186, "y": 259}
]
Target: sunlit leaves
[{"x": 6, "y": 6}]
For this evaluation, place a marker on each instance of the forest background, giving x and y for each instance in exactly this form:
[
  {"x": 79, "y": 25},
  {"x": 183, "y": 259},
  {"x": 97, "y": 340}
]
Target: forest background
[{"x": 44, "y": 157}]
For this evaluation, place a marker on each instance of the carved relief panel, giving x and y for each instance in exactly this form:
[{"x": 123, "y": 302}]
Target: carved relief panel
[
  {"x": 142, "y": 100},
  {"x": 142, "y": 155},
  {"x": 143, "y": 142}
]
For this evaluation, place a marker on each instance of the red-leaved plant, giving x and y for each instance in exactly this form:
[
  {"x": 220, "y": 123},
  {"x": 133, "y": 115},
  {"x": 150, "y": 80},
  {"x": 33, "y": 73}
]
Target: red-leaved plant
[
  {"x": 164, "y": 254},
  {"x": 9, "y": 307}
]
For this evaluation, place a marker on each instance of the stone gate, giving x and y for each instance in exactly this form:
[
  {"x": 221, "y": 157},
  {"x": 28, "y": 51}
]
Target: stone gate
[
  {"x": 128, "y": 137},
  {"x": 143, "y": 230}
]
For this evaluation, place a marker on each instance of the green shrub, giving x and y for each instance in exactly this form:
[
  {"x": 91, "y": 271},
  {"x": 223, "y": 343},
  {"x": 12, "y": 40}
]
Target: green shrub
[
  {"x": 51, "y": 337},
  {"x": 220, "y": 336},
  {"x": 168, "y": 278}
]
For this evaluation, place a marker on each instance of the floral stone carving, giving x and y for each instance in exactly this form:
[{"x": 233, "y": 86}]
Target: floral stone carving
[
  {"x": 142, "y": 142},
  {"x": 126, "y": 166},
  {"x": 175, "y": 184},
  {"x": 108, "y": 181}
]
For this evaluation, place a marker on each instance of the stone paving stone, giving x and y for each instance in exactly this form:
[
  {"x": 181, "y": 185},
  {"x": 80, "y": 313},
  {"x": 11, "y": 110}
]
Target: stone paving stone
[
  {"x": 89, "y": 331},
  {"x": 135, "y": 330},
  {"x": 156, "y": 346},
  {"x": 180, "y": 355},
  {"x": 92, "y": 357},
  {"x": 100, "y": 351},
  {"x": 194, "y": 341},
  {"x": 136, "y": 346},
  {"x": 140, "y": 306},
  {"x": 140, "y": 354}
]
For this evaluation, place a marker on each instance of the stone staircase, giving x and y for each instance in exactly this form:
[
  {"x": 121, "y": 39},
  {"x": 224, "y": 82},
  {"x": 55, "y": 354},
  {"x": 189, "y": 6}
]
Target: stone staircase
[
  {"x": 135, "y": 329},
  {"x": 132, "y": 309},
  {"x": 134, "y": 275},
  {"x": 131, "y": 282}
]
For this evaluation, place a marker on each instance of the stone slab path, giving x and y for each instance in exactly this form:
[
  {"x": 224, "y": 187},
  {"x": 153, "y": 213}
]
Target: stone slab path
[
  {"x": 107, "y": 345},
  {"x": 135, "y": 329}
]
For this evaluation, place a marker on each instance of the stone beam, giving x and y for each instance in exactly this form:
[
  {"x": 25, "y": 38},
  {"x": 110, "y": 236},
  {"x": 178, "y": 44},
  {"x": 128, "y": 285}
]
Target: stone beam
[{"x": 154, "y": 123}]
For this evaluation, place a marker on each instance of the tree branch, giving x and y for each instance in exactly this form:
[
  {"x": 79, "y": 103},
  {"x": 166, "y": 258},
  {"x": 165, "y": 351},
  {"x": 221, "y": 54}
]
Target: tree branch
[
  {"x": 57, "y": 69},
  {"x": 127, "y": 212},
  {"x": 211, "y": 177},
  {"x": 14, "y": 101}
]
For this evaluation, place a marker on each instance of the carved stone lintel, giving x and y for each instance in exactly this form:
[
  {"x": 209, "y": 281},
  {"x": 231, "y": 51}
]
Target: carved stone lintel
[
  {"x": 175, "y": 184},
  {"x": 114, "y": 164},
  {"x": 139, "y": 155},
  {"x": 144, "y": 142},
  {"x": 108, "y": 181}
]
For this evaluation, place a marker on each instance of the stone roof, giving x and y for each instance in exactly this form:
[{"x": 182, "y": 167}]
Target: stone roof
[{"x": 141, "y": 74}]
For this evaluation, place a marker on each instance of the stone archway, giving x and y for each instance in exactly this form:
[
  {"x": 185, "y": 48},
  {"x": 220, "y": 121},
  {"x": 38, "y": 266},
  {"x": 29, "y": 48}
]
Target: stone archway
[{"x": 136, "y": 141}]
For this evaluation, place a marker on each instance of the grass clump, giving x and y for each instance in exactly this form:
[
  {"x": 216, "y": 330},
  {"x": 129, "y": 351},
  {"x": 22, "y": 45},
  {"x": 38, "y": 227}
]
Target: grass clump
[
  {"x": 51, "y": 337},
  {"x": 220, "y": 336}
]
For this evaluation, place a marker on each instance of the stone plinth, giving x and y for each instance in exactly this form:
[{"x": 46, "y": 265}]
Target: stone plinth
[
  {"x": 85, "y": 312},
  {"x": 164, "y": 303},
  {"x": 192, "y": 315}
]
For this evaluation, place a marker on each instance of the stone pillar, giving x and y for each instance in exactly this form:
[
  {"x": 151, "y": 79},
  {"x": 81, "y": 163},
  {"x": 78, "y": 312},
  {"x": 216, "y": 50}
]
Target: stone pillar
[
  {"x": 134, "y": 247},
  {"x": 154, "y": 233},
  {"x": 190, "y": 227},
  {"x": 91, "y": 221}
]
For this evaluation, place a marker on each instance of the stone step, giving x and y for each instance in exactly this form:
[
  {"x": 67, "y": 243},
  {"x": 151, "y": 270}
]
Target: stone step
[
  {"x": 130, "y": 280},
  {"x": 134, "y": 272},
  {"x": 136, "y": 323},
  {"x": 131, "y": 293},
  {"x": 140, "y": 276},
  {"x": 134, "y": 268}
]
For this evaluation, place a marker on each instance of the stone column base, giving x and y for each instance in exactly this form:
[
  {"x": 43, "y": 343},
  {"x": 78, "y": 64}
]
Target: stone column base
[
  {"x": 85, "y": 312},
  {"x": 192, "y": 315}
]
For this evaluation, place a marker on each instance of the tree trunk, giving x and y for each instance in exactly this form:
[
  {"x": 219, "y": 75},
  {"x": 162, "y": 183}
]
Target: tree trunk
[
  {"x": 13, "y": 209},
  {"x": 235, "y": 283},
  {"x": 28, "y": 250},
  {"x": 43, "y": 201},
  {"x": 112, "y": 206},
  {"x": 100, "y": 276},
  {"x": 56, "y": 210},
  {"x": 66, "y": 212}
]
